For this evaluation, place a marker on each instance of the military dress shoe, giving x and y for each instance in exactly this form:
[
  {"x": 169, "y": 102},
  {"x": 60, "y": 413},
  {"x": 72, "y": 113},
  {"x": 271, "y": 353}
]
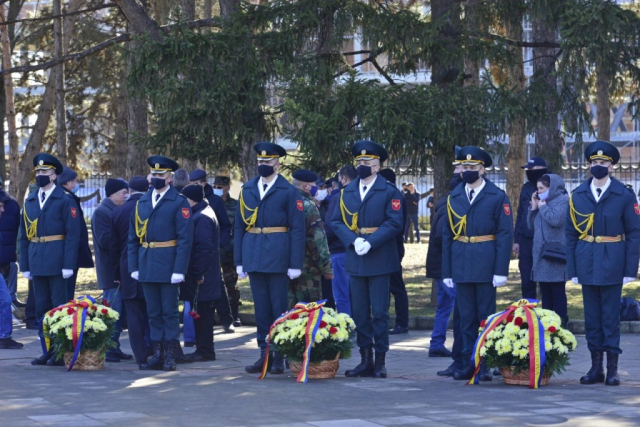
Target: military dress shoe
[
  {"x": 455, "y": 366},
  {"x": 9, "y": 344},
  {"x": 198, "y": 357},
  {"x": 398, "y": 330},
  {"x": 123, "y": 355},
  {"x": 439, "y": 352},
  {"x": 464, "y": 374}
]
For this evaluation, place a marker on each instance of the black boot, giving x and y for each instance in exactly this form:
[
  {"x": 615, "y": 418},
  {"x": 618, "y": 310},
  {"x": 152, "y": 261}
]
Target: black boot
[
  {"x": 455, "y": 366},
  {"x": 612, "y": 369},
  {"x": 277, "y": 367},
  {"x": 485, "y": 373},
  {"x": 236, "y": 316},
  {"x": 256, "y": 368},
  {"x": 170, "y": 356},
  {"x": 596, "y": 373},
  {"x": 156, "y": 362},
  {"x": 379, "y": 370},
  {"x": 365, "y": 368},
  {"x": 465, "y": 373},
  {"x": 42, "y": 360}
]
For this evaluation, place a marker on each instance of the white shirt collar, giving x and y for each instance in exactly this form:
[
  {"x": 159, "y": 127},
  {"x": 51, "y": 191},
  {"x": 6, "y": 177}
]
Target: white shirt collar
[
  {"x": 603, "y": 188},
  {"x": 264, "y": 190},
  {"x": 153, "y": 196},
  {"x": 46, "y": 195},
  {"x": 364, "y": 192},
  {"x": 476, "y": 190}
]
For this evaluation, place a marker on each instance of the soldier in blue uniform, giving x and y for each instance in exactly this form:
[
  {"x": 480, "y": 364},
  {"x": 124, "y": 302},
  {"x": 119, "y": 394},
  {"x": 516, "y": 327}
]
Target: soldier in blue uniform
[
  {"x": 476, "y": 249},
  {"x": 160, "y": 239},
  {"x": 49, "y": 242},
  {"x": 603, "y": 248},
  {"x": 269, "y": 235},
  {"x": 367, "y": 221}
]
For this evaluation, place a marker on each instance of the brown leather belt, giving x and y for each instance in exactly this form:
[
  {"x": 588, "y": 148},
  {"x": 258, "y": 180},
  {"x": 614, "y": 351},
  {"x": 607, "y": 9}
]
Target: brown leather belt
[
  {"x": 602, "y": 239},
  {"x": 45, "y": 239},
  {"x": 366, "y": 230},
  {"x": 476, "y": 239},
  {"x": 167, "y": 244},
  {"x": 267, "y": 230}
]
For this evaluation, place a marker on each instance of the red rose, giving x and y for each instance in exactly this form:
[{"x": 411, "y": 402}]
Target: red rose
[
  {"x": 106, "y": 303},
  {"x": 483, "y": 323},
  {"x": 518, "y": 321},
  {"x": 104, "y": 311},
  {"x": 70, "y": 310},
  {"x": 51, "y": 313},
  {"x": 510, "y": 318},
  {"x": 552, "y": 329},
  {"x": 194, "y": 314},
  {"x": 333, "y": 330},
  {"x": 294, "y": 316},
  {"x": 94, "y": 308},
  {"x": 323, "y": 324}
]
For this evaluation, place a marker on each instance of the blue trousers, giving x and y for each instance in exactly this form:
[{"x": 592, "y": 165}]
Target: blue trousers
[
  {"x": 446, "y": 302},
  {"x": 340, "y": 283},
  {"x": 49, "y": 292},
  {"x": 6, "y": 325},
  {"x": 399, "y": 292},
  {"x": 412, "y": 218},
  {"x": 602, "y": 317},
  {"x": 270, "y": 297},
  {"x": 370, "y": 308},
  {"x": 476, "y": 301},
  {"x": 114, "y": 296},
  {"x": 162, "y": 309}
]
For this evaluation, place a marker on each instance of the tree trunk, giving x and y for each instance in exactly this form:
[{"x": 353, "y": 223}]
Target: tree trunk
[
  {"x": 120, "y": 141},
  {"x": 188, "y": 9},
  {"x": 602, "y": 104},
  {"x": 548, "y": 140},
  {"x": 208, "y": 9},
  {"x": 137, "y": 125},
  {"x": 472, "y": 23},
  {"x": 9, "y": 105},
  {"x": 61, "y": 111},
  {"x": 516, "y": 126}
]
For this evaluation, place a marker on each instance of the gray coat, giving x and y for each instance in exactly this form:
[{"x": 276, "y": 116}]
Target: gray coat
[
  {"x": 101, "y": 228},
  {"x": 547, "y": 224}
]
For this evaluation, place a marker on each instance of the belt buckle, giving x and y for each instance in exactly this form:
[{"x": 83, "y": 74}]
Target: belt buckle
[
  {"x": 363, "y": 231},
  {"x": 36, "y": 240},
  {"x": 472, "y": 239},
  {"x": 152, "y": 245},
  {"x": 589, "y": 239},
  {"x": 465, "y": 239},
  {"x": 265, "y": 230},
  {"x": 599, "y": 239}
]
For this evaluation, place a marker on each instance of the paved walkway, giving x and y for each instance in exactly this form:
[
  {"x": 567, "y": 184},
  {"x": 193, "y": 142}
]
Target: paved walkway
[{"x": 220, "y": 393}]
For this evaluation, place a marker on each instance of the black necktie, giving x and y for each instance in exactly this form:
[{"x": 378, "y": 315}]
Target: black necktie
[
  {"x": 599, "y": 191},
  {"x": 471, "y": 195},
  {"x": 364, "y": 189},
  {"x": 264, "y": 187},
  {"x": 157, "y": 197},
  {"x": 43, "y": 196}
]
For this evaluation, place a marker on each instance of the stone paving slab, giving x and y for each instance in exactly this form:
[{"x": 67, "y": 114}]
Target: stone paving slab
[{"x": 221, "y": 394}]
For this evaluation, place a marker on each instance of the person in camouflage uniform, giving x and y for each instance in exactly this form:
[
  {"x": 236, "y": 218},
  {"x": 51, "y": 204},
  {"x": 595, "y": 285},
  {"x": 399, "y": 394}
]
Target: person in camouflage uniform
[
  {"x": 317, "y": 260},
  {"x": 221, "y": 186}
]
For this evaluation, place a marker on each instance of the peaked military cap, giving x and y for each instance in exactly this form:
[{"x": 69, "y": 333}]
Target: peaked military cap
[
  {"x": 44, "y": 161},
  {"x": 162, "y": 164},
  {"x": 269, "y": 150},
  {"x": 304, "y": 175},
  {"x": 197, "y": 175},
  {"x": 471, "y": 155},
  {"x": 457, "y": 149},
  {"x": 222, "y": 180},
  {"x": 369, "y": 150},
  {"x": 602, "y": 150}
]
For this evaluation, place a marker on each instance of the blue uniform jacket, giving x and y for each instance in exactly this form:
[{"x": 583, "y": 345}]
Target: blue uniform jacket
[
  {"x": 170, "y": 220},
  {"x": 120, "y": 220},
  {"x": 59, "y": 216},
  {"x": 490, "y": 214},
  {"x": 522, "y": 234},
  {"x": 382, "y": 208},
  {"x": 617, "y": 213},
  {"x": 276, "y": 252},
  {"x": 9, "y": 225}
]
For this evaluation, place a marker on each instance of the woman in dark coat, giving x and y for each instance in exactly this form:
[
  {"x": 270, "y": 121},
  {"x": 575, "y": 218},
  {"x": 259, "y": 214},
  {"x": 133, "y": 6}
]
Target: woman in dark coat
[{"x": 204, "y": 275}]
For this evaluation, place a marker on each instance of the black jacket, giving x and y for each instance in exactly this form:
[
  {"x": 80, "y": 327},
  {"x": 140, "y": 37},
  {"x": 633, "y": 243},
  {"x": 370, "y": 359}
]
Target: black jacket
[
  {"x": 335, "y": 244},
  {"x": 9, "y": 225},
  {"x": 120, "y": 221},
  {"x": 412, "y": 201},
  {"x": 521, "y": 233},
  {"x": 217, "y": 204},
  {"x": 85, "y": 258},
  {"x": 434, "y": 252}
]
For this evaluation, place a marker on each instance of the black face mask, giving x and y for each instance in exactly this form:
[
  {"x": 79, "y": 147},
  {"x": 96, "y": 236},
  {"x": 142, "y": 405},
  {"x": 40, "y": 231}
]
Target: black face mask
[
  {"x": 43, "y": 180},
  {"x": 533, "y": 175},
  {"x": 470, "y": 176},
  {"x": 158, "y": 183},
  {"x": 457, "y": 177},
  {"x": 364, "y": 172},
  {"x": 455, "y": 181},
  {"x": 599, "y": 171},
  {"x": 265, "y": 170}
]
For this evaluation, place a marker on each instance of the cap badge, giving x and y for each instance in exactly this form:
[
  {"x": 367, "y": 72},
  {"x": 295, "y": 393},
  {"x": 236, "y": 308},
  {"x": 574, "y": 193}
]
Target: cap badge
[
  {"x": 157, "y": 165},
  {"x": 468, "y": 156},
  {"x": 363, "y": 152},
  {"x": 41, "y": 162},
  {"x": 599, "y": 152}
]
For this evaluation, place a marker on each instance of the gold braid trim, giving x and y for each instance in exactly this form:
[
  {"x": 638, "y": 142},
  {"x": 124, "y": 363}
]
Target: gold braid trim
[
  {"x": 344, "y": 211},
  {"x": 30, "y": 227},
  {"x": 587, "y": 222},
  {"x": 141, "y": 226},
  {"x": 251, "y": 219},
  {"x": 461, "y": 227}
]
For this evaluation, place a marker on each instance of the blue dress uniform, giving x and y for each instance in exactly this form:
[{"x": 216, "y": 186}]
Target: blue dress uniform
[
  {"x": 378, "y": 219},
  {"x": 476, "y": 250},
  {"x": 269, "y": 235},
  {"x": 160, "y": 242},
  {"x": 49, "y": 242},
  {"x": 603, "y": 246}
]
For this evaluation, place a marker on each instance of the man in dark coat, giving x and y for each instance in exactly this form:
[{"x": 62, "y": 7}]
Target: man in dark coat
[
  {"x": 117, "y": 191},
  {"x": 49, "y": 242},
  {"x": 412, "y": 200},
  {"x": 269, "y": 235},
  {"x": 135, "y": 305},
  {"x": 9, "y": 225},
  {"x": 68, "y": 179},
  {"x": 160, "y": 239},
  {"x": 476, "y": 249},
  {"x": 6, "y": 323},
  {"x": 203, "y": 283},
  {"x": 603, "y": 248},
  {"x": 367, "y": 222}
]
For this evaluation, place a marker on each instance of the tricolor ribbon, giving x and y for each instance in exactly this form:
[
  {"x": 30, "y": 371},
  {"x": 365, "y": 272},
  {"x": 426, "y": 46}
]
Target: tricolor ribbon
[
  {"x": 314, "y": 309},
  {"x": 80, "y": 306},
  {"x": 536, "y": 340}
]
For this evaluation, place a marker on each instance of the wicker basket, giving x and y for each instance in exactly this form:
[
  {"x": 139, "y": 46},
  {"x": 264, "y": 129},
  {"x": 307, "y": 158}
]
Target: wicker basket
[
  {"x": 522, "y": 378},
  {"x": 318, "y": 370},
  {"x": 87, "y": 360}
]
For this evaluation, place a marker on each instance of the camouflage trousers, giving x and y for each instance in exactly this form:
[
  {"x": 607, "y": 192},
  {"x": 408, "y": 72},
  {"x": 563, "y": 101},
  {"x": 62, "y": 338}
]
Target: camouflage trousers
[
  {"x": 304, "y": 289},
  {"x": 230, "y": 278}
]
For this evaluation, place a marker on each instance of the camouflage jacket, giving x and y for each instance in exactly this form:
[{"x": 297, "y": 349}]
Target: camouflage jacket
[
  {"x": 317, "y": 260},
  {"x": 226, "y": 254}
]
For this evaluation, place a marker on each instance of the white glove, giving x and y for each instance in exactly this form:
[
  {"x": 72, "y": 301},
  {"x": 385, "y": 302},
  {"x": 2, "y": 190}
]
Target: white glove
[
  {"x": 66, "y": 273},
  {"x": 26, "y": 275},
  {"x": 240, "y": 271},
  {"x": 357, "y": 245},
  {"x": 364, "y": 248},
  {"x": 177, "y": 278},
  {"x": 627, "y": 280},
  {"x": 499, "y": 281},
  {"x": 575, "y": 280},
  {"x": 448, "y": 283},
  {"x": 135, "y": 275},
  {"x": 293, "y": 273}
]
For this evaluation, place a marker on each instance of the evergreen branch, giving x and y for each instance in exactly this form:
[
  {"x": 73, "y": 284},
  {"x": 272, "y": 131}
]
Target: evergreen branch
[
  {"x": 49, "y": 18},
  {"x": 382, "y": 72},
  {"x": 496, "y": 37}
]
